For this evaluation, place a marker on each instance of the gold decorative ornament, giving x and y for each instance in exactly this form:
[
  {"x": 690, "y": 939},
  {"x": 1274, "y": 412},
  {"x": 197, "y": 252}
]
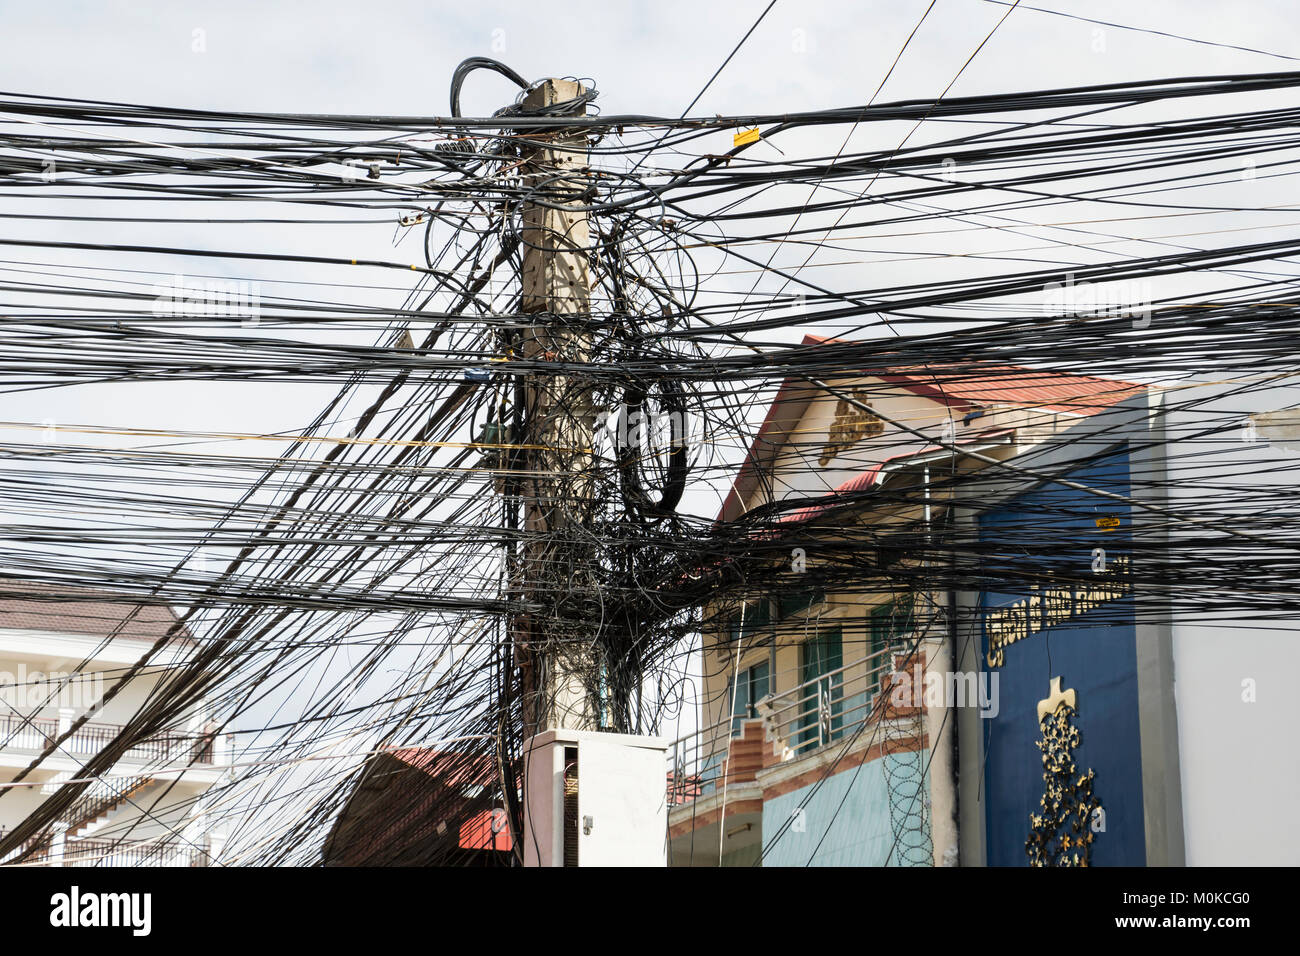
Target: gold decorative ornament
[
  {"x": 1062, "y": 835},
  {"x": 851, "y": 425}
]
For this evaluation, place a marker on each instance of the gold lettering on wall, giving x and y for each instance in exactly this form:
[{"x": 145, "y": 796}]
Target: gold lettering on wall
[{"x": 1052, "y": 605}]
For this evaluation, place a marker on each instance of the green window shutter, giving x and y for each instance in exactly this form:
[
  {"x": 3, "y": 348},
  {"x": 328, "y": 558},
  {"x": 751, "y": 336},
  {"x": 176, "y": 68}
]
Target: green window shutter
[
  {"x": 790, "y": 604},
  {"x": 738, "y": 694},
  {"x": 881, "y": 632},
  {"x": 889, "y": 624},
  {"x": 760, "y": 684},
  {"x": 822, "y": 653},
  {"x": 891, "y": 621},
  {"x": 756, "y": 619},
  {"x": 820, "y": 656},
  {"x": 753, "y": 687}
]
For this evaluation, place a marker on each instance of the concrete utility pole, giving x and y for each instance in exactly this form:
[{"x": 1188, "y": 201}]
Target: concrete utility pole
[
  {"x": 613, "y": 812},
  {"x": 559, "y": 498}
]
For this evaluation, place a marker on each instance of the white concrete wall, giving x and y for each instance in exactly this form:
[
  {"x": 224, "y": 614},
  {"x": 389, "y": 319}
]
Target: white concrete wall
[{"x": 1240, "y": 762}]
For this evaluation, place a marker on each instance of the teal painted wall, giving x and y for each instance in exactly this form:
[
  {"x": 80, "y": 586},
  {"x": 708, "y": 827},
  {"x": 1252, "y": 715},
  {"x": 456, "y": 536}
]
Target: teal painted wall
[{"x": 860, "y": 833}]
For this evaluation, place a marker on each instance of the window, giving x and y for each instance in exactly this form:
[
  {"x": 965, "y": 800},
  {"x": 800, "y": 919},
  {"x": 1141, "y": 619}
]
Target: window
[
  {"x": 820, "y": 708},
  {"x": 754, "y": 684},
  {"x": 788, "y": 605},
  {"x": 890, "y": 624},
  {"x": 757, "y": 617}
]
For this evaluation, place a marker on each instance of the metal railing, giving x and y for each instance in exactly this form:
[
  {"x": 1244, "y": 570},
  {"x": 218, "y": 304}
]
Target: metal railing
[
  {"x": 794, "y": 723},
  {"x": 165, "y": 852},
  {"x": 90, "y": 851},
  {"x": 27, "y": 733},
  {"x": 36, "y": 733},
  {"x": 99, "y": 798},
  {"x": 36, "y": 845}
]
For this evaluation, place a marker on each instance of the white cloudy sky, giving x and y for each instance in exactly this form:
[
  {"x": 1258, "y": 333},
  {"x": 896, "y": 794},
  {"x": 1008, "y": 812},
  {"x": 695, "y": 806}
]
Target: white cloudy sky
[
  {"x": 646, "y": 57},
  {"x": 653, "y": 57}
]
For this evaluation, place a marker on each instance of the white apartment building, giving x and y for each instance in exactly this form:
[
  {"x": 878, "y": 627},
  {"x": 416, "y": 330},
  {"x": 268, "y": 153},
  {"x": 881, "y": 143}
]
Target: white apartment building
[{"x": 60, "y": 650}]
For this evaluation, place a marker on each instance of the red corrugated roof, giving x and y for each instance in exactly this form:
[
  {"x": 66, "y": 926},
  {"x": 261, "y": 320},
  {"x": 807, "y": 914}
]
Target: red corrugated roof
[
  {"x": 487, "y": 830},
  {"x": 410, "y": 802},
  {"x": 957, "y": 387},
  {"x": 449, "y": 766},
  {"x": 1009, "y": 385}
]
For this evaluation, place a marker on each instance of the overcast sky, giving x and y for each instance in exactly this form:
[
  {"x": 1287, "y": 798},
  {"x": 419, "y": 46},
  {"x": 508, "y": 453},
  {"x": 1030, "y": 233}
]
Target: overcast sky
[
  {"x": 377, "y": 57},
  {"x": 644, "y": 58}
]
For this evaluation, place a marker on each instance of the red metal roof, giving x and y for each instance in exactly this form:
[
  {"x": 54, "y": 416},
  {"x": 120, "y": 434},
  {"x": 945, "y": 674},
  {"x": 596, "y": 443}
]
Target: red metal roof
[
  {"x": 450, "y": 766},
  {"x": 956, "y": 386},
  {"x": 1010, "y": 385},
  {"x": 410, "y": 802},
  {"x": 961, "y": 386},
  {"x": 487, "y": 830}
]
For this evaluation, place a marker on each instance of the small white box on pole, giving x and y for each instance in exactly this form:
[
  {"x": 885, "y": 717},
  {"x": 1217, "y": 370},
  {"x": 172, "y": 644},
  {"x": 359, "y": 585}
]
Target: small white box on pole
[{"x": 595, "y": 799}]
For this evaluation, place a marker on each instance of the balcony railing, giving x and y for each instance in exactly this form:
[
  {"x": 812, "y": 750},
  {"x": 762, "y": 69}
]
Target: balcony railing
[
  {"x": 794, "y": 723},
  {"x": 167, "y": 851},
  {"x": 36, "y": 846},
  {"x": 36, "y": 733}
]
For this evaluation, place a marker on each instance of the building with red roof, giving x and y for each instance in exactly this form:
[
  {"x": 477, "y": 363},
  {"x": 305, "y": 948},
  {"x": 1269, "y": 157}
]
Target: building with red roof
[
  {"x": 416, "y": 806},
  {"x": 797, "y": 686}
]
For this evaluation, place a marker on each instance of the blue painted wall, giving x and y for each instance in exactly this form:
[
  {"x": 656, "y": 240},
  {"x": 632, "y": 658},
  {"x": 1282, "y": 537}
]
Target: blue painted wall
[
  {"x": 1094, "y": 653},
  {"x": 853, "y": 804}
]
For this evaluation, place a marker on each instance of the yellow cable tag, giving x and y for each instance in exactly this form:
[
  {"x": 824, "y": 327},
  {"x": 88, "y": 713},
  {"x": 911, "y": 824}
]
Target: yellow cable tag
[
  {"x": 746, "y": 136},
  {"x": 1107, "y": 522}
]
